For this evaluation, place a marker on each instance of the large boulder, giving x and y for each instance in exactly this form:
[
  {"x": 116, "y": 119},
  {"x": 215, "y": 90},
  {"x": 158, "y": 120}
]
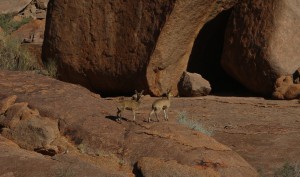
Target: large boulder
[
  {"x": 13, "y": 6},
  {"x": 261, "y": 43},
  {"x": 104, "y": 45},
  {"x": 115, "y": 47}
]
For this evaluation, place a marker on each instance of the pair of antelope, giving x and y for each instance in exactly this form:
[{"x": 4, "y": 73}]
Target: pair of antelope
[{"x": 162, "y": 104}]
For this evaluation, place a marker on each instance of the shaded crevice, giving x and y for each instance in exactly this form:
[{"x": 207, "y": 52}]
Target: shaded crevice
[
  {"x": 136, "y": 171},
  {"x": 43, "y": 151},
  {"x": 206, "y": 56}
]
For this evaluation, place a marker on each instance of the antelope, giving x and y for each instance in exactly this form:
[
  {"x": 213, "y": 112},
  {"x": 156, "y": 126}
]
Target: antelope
[
  {"x": 131, "y": 105},
  {"x": 161, "y": 104}
]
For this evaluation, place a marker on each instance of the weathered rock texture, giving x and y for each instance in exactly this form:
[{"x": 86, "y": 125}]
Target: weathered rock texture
[
  {"x": 193, "y": 84},
  {"x": 116, "y": 47},
  {"x": 85, "y": 120},
  {"x": 27, "y": 128},
  {"x": 16, "y": 162},
  {"x": 262, "y": 42},
  {"x": 13, "y": 6},
  {"x": 42, "y": 4},
  {"x": 285, "y": 88},
  {"x": 104, "y": 45}
]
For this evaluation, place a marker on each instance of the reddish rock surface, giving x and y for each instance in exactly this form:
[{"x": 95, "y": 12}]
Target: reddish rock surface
[
  {"x": 92, "y": 136},
  {"x": 158, "y": 167},
  {"x": 17, "y": 162},
  {"x": 116, "y": 47},
  {"x": 104, "y": 45},
  {"x": 261, "y": 43}
]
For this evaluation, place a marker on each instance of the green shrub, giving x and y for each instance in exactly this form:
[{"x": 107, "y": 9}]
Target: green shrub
[
  {"x": 13, "y": 57},
  {"x": 192, "y": 124},
  {"x": 9, "y": 25}
]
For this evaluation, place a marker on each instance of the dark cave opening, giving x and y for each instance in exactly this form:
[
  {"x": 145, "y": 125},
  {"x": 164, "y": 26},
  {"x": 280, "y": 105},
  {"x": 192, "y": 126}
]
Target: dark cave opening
[{"x": 206, "y": 56}]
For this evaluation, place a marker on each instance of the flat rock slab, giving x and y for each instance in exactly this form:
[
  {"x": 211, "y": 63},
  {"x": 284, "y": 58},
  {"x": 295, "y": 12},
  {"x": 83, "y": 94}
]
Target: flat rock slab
[
  {"x": 265, "y": 132},
  {"x": 88, "y": 123}
]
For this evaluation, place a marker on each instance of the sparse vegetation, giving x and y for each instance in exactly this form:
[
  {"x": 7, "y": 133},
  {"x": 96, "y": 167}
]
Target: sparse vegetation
[
  {"x": 51, "y": 67},
  {"x": 13, "y": 56},
  {"x": 288, "y": 170},
  {"x": 82, "y": 148},
  {"x": 192, "y": 124},
  {"x": 122, "y": 162},
  {"x": 9, "y": 25}
]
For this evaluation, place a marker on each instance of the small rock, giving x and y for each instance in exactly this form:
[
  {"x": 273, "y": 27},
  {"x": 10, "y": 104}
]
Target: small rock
[
  {"x": 42, "y": 4},
  {"x": 193, "y": 84},
  {"x": 285, "y": 88}
]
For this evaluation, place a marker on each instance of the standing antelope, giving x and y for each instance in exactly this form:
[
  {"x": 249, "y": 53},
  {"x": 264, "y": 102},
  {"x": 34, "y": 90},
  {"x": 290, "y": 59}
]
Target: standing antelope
[
  {"x": 131, "y": 105},
  {"x": 161, "y": 104}
]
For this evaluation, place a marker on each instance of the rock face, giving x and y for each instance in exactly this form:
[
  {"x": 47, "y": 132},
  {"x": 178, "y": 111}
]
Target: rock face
[
  {"x": 261, "y": 43},
  {"x": 193, "y": 84},
  {"x": 117, "y": 47},
  {"x": 13, "y": 6},
  {"x": 86, "y": 122},
  {"x": 104, "y": 45}
]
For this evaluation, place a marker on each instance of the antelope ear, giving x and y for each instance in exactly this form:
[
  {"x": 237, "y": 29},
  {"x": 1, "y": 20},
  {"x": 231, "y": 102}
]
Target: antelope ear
[
  {"x": 136, "y": 91},
  {"x": 142, "y": 92}
]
